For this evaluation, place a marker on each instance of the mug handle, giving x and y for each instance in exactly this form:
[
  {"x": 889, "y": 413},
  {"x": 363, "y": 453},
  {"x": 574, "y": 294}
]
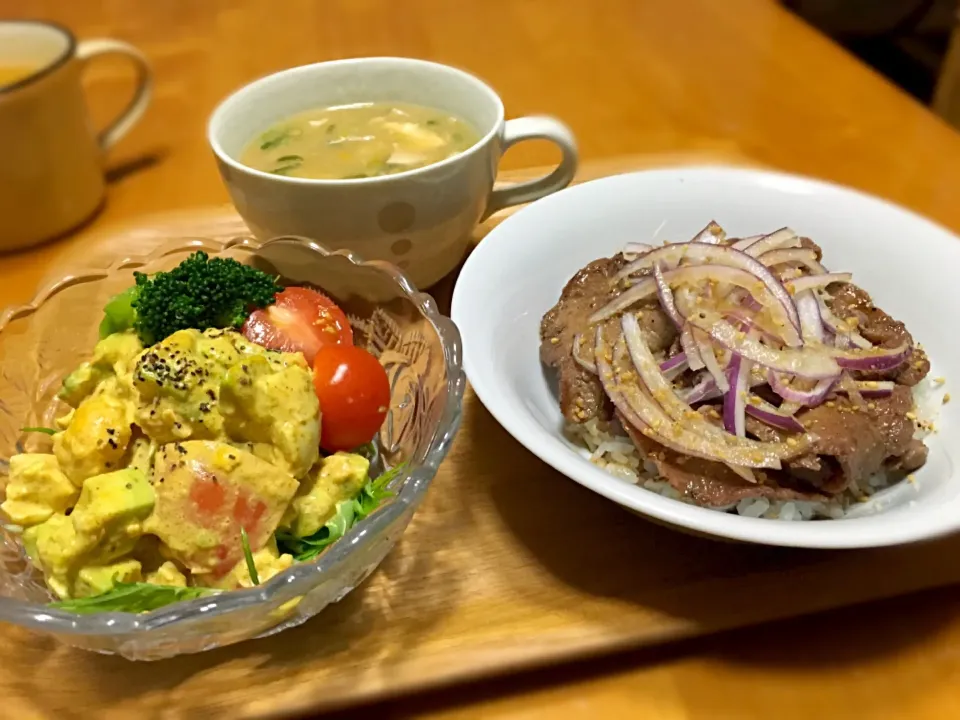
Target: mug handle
[
  {"x": 539, "y": 127},
  {"x": 120, "y": 126}
]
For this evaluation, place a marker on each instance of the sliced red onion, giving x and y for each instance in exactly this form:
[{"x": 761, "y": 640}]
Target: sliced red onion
[
  {"x": 745, "y": 473},
  {"x": 611, "y": 388},
  {"x": 782, "y": 238},
  {"x": 583, "y": 362},
  {"x": 666, "y": 297},
  {"x": 644, "y": 288},
  {"x": 690, "y": 349},
  {"x": 811, "y": 324},
  {"x": 873, "y": 359},
  {"x": 710, "y": 361},
  {"x": 712, "y": 440},
  {"x": 809, "y": 398},
  {"x": 849, "y": 387},
  {"x": 744, "y": 243},
  {"x": 809, "y": 282},
  {"x": 634, "y": 249},
  {"x": 840, "y": 328},
  {"x": 694, "y": 275},
  {"x": 712, "y": 234},
  {"x": 771, "y": 415},
  {"x": 808, "y": 362},
  {"x": 872, "y": 388},
  {"x": 718, "y": 255},
  {"x": 745, "y": 322},
  {"x": 802, "y": 256},
  {"x": 674, "y": 366},
  {"x": 637, "y": 409},
  {"x": 705, "y": 389},
  {"x": 738, "y": 373}
]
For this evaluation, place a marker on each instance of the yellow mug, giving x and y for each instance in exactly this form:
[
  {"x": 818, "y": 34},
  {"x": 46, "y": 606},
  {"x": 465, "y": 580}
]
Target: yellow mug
[{"x": 51, "y": 170}]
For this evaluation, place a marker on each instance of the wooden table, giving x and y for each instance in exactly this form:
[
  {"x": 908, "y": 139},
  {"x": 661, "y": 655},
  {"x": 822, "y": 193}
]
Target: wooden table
[{"x": 688, "y": 79}]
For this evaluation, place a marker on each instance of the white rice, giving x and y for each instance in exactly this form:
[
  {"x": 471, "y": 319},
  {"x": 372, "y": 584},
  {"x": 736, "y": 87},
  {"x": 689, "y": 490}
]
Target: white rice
[{"x": 616, "y": 453}]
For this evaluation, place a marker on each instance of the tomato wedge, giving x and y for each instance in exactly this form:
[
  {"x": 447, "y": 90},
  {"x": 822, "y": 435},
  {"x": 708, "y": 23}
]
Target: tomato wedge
[
  {"x": 301, "y": 320},
  {"x": 354, "y": 394}
]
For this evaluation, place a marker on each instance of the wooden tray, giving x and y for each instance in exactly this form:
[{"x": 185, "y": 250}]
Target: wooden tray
[{"x": 507, "y": 565}]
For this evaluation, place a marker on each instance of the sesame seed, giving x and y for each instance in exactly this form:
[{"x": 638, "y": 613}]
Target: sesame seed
[
  {"x": 946, "y": 398},
  {"x": 554, "y": 341}
]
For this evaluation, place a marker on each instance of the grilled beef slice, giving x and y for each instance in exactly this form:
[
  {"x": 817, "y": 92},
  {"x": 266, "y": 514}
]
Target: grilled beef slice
[
  {"x": 581, "y": 395},
  {"x": 851, "y": 302},
  {"x": 711, "y": 484},
  {"x": 854, "y": 442}
]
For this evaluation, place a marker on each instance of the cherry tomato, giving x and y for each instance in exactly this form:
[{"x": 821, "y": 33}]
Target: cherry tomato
[
  {"x": 354, "y": 395},
  {"x": 301, "y": 320}
]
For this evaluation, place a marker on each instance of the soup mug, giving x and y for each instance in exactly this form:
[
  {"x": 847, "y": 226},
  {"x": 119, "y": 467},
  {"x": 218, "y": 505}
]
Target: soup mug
[
  {"x": 51, "y": 170},
  {"x": 420, "y": 219}
]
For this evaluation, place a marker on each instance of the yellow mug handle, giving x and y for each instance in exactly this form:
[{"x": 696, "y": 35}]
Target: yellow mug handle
[{"x": 131, "y": 114}]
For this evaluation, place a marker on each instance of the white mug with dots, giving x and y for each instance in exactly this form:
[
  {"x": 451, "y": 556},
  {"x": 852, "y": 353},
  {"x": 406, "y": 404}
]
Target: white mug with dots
[{"x": 420, "y": 219}]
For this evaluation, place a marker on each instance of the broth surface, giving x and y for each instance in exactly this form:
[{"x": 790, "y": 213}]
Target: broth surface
[
  {"x": 10, "y": 74},
  {"x": 358, "y": 141}
]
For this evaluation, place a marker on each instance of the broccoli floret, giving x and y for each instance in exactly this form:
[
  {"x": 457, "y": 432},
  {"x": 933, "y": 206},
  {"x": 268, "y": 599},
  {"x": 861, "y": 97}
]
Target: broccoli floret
[{"x": 199, "y": 293}]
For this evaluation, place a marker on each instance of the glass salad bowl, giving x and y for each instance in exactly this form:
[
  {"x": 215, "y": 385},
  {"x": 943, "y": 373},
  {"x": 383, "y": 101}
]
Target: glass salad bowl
[{"x": 44, "y": 340}]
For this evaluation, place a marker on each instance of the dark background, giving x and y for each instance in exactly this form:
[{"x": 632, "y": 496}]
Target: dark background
[{"x": 905, "y": 40}]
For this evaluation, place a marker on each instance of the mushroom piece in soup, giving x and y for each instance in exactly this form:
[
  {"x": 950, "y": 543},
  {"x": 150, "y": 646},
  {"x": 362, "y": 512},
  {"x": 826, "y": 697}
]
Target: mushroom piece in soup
[{"x": 359, "y": 141}]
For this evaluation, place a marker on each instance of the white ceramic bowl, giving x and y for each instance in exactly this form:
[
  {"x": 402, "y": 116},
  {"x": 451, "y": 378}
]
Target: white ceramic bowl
[{"x": 907, "y": 263}]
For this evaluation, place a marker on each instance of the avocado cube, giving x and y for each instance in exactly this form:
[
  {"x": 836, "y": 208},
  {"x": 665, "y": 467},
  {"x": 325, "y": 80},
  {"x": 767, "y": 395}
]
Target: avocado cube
[
  {"x": 80, "y": 383},
  {"x": 340, "y": 477},
  {"x": 111, "y": 510},
  {"x": 98, "y": 579},
  {"x": 36, "y": 489},
  {"x": 167, "y": 574},
  {"x": 56, "y": 548}
]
